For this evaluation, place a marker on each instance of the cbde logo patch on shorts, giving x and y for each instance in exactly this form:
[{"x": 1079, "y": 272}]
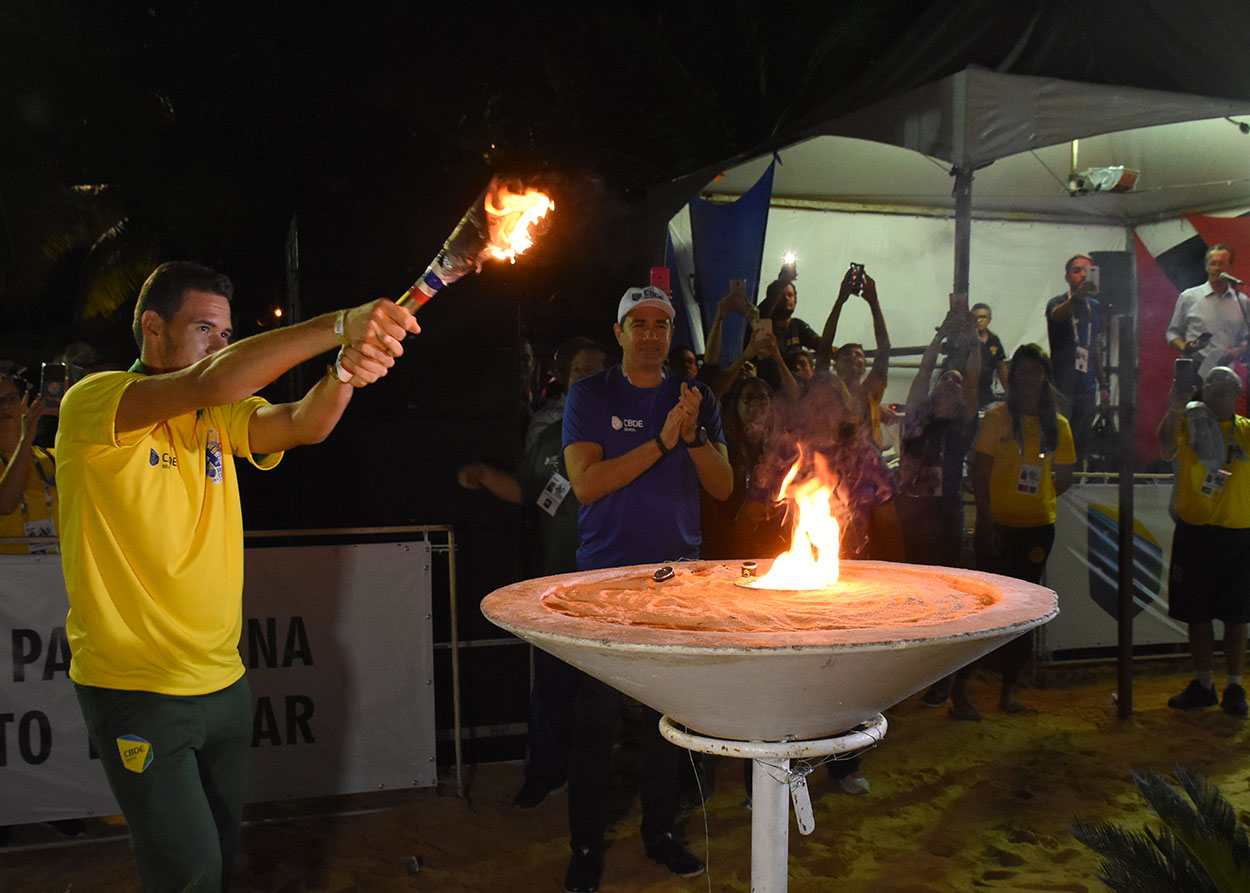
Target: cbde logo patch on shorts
[{"x": 136, "y": 753}]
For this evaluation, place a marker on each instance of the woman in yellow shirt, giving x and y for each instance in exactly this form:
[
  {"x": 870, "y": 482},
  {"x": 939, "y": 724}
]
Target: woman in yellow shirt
[
  {"x": 28, "y": 500},
  {"x": 1023, "y": 460}
]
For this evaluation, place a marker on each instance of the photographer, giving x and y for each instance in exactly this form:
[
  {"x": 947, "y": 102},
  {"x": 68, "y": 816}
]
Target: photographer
[
  {"x": 28, "y": 498},
  {"x": 850, "y": 361},
  {"x": 777, "y": 312},
  {"x": 1075, "y": 326},
  {"x": 1209, "y": 576}
]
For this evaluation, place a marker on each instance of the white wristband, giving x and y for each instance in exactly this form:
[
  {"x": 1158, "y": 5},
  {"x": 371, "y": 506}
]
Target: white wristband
[
  {"x": 339, "y": 372},
  {"x": 340, "y": 319}
]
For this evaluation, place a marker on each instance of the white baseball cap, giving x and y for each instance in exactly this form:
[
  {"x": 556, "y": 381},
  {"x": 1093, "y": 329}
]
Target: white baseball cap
[{"x": 650, "y": 296}]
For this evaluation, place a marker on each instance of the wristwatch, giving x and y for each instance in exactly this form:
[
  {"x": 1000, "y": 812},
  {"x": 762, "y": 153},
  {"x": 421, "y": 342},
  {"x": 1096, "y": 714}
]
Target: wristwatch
[{"x": 700, "y": 439}]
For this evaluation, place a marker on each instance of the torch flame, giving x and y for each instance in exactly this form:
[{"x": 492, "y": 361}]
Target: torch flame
[
  {"x": 509, "y": 216},
  {"x": 812, "y": 562}
]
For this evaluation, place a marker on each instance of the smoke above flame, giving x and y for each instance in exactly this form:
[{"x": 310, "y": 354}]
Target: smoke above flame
[{"x": 509, "y": 216}]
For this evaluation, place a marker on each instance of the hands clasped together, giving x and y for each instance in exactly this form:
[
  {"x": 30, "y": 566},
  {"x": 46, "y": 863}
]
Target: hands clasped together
[{"x": 683, "y": 419}]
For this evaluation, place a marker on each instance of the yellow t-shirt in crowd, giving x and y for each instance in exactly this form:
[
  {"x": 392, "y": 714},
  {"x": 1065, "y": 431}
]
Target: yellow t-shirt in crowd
[
  {"x": 1022, "y": 483},
  {"x": 1218, "y": 501},
  {"x": 152, "y": 542},
  {"x": 39, "y": 503}
]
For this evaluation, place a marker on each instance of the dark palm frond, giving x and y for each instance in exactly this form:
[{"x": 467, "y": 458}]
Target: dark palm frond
[
  {"x": 1204, "y": 824},
  {"x": 1201, "y": 846},
  {"x": 1134, "y": 862},
  {"x": 1219, "y": 813}
]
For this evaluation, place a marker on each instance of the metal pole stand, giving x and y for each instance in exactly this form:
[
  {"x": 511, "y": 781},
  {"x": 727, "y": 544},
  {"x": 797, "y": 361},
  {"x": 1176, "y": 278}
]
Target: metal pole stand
[{"x": 772, "y": 782}]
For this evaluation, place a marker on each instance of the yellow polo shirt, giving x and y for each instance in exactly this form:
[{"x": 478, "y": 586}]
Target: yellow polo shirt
[
  {"x": 152, "y": 541},
  {"x": 1014, "y": 501},
  {"x": 39, "y": 502},
  {"x": 1226, "y": 506}
]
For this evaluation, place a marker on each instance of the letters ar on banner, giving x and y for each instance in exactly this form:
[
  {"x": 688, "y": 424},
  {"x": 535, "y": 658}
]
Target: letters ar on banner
[{"x": 338, "y": 647}]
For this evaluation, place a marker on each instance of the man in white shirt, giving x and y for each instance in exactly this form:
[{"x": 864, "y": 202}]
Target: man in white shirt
[{"x": 1216, "y": 307}]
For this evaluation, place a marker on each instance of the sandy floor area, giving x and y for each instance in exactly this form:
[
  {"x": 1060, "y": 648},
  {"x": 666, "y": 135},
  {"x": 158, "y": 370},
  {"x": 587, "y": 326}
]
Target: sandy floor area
[{"x": 955, "y": 806}]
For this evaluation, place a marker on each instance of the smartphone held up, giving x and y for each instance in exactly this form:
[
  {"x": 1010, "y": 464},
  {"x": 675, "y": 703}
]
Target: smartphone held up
[
  {"x": 1185, "y": 375},
  {"x": 53, "y": 380},
  {"x": 855, "y": 277}
]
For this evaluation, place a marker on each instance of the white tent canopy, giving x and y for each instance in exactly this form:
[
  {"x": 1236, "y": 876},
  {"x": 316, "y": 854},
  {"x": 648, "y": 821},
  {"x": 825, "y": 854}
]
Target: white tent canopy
[
  {"x": 896, "y": 157},
  {"x": 1014, "y": 131}
]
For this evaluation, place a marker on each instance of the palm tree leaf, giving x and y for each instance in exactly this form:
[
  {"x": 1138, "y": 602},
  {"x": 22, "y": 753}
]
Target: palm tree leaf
[
  {"x": 1198, "y": 832},
  {"x": 1218, "y": 813},
  {"x": 1134, "y": 862}
]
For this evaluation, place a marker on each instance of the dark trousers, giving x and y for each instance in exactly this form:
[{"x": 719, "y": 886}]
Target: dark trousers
[
  {"x": 1080, "y": 409},
  {"x": 596, "y": 717},
  {"x": 182, "y": 794},
  {"x": 551, "y": 716},
  {"x": 1024, "y": 554}
]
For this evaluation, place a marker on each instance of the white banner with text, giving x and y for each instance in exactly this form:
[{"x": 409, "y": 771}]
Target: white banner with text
[{"x": 337, "y": 641}]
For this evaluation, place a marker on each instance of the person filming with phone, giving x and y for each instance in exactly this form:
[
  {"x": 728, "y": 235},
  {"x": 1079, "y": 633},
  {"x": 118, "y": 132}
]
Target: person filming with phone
[
  {"x": 1211, "y": 322},
  {"x": 29, "y": 505},
  {"x": 777, "y": 311},
  {"x": 1076, "y": 328},
  {"x": 850, "y": 362},
  {"x": 1209, "y": 573}
]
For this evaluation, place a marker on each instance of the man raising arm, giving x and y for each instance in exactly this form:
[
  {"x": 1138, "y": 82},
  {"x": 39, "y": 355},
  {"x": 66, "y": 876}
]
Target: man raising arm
[{"x": 153, "y": 550}]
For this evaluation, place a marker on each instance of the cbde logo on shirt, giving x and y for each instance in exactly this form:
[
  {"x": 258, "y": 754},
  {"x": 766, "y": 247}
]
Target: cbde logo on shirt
[
  {"x": 136, "y": 752},
  {"x": 619, "y": 423},
  {"x": 165, "y": 460}
]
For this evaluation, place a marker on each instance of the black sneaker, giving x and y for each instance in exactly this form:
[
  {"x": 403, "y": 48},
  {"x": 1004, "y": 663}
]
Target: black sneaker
[
  {"x": 1234, "y": 701},
  {"x": 585, "y": 871},
  {"x": 535, "y": 791},
  {"x": 673, "y": 855},
  {"x": 1196, "y": 695}
]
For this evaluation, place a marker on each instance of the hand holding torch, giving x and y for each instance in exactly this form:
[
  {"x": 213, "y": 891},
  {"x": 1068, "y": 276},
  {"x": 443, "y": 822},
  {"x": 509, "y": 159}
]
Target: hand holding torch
[{"x": 497, "y": 225}]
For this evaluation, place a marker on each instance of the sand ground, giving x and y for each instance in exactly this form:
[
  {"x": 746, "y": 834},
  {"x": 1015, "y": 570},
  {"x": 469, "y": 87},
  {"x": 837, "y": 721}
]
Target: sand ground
[{"x": 955, "y": 806}]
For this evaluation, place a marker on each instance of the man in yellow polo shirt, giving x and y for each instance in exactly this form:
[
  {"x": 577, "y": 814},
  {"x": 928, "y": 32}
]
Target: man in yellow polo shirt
[
  {"x": 153, "y": 549},
  {"x": 1209, "y": 575}
]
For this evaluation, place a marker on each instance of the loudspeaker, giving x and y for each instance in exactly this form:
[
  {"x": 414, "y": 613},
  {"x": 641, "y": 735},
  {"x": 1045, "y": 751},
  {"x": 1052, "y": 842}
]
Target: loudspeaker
[{"x": 1116, "y": 287}]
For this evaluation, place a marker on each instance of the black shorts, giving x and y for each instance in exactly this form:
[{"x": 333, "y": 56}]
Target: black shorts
[{"x": 1209, "y": 578}]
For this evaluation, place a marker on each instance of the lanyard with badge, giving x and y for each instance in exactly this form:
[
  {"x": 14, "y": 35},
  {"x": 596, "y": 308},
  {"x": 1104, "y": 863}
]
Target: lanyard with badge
[
  {"x": 1029, "y": 479},
  {"x": 1082, "y": 352},
  {"x": 44, "y": 527},
  {"x": 1213, "y": 484}
]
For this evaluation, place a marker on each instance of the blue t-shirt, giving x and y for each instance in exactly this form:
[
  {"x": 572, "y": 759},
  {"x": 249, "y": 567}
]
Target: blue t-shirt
[
  {"x": 655, "y": 517},
  {"x": 1081, "y": 329}
]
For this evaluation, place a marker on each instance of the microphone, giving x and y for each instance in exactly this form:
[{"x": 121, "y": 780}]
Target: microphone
[{"x": 1229, "y": 277}]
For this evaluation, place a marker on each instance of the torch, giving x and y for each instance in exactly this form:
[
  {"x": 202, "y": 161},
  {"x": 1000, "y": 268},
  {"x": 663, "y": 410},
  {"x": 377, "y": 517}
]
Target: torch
[{"x": 497, "y": 225}]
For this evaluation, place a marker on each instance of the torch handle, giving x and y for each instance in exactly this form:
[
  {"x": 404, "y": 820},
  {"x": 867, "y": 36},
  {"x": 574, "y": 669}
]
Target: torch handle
[{"x": 413, "y": 299}]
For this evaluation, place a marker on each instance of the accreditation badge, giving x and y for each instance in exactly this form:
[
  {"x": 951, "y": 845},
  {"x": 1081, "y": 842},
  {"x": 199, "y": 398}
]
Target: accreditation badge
[
  {"x": 553, "y": 494},
  {"x": 44, "y": 527},
  {"x": 1213, "y": 483},
  {"x": 1029, "y": 480}
]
